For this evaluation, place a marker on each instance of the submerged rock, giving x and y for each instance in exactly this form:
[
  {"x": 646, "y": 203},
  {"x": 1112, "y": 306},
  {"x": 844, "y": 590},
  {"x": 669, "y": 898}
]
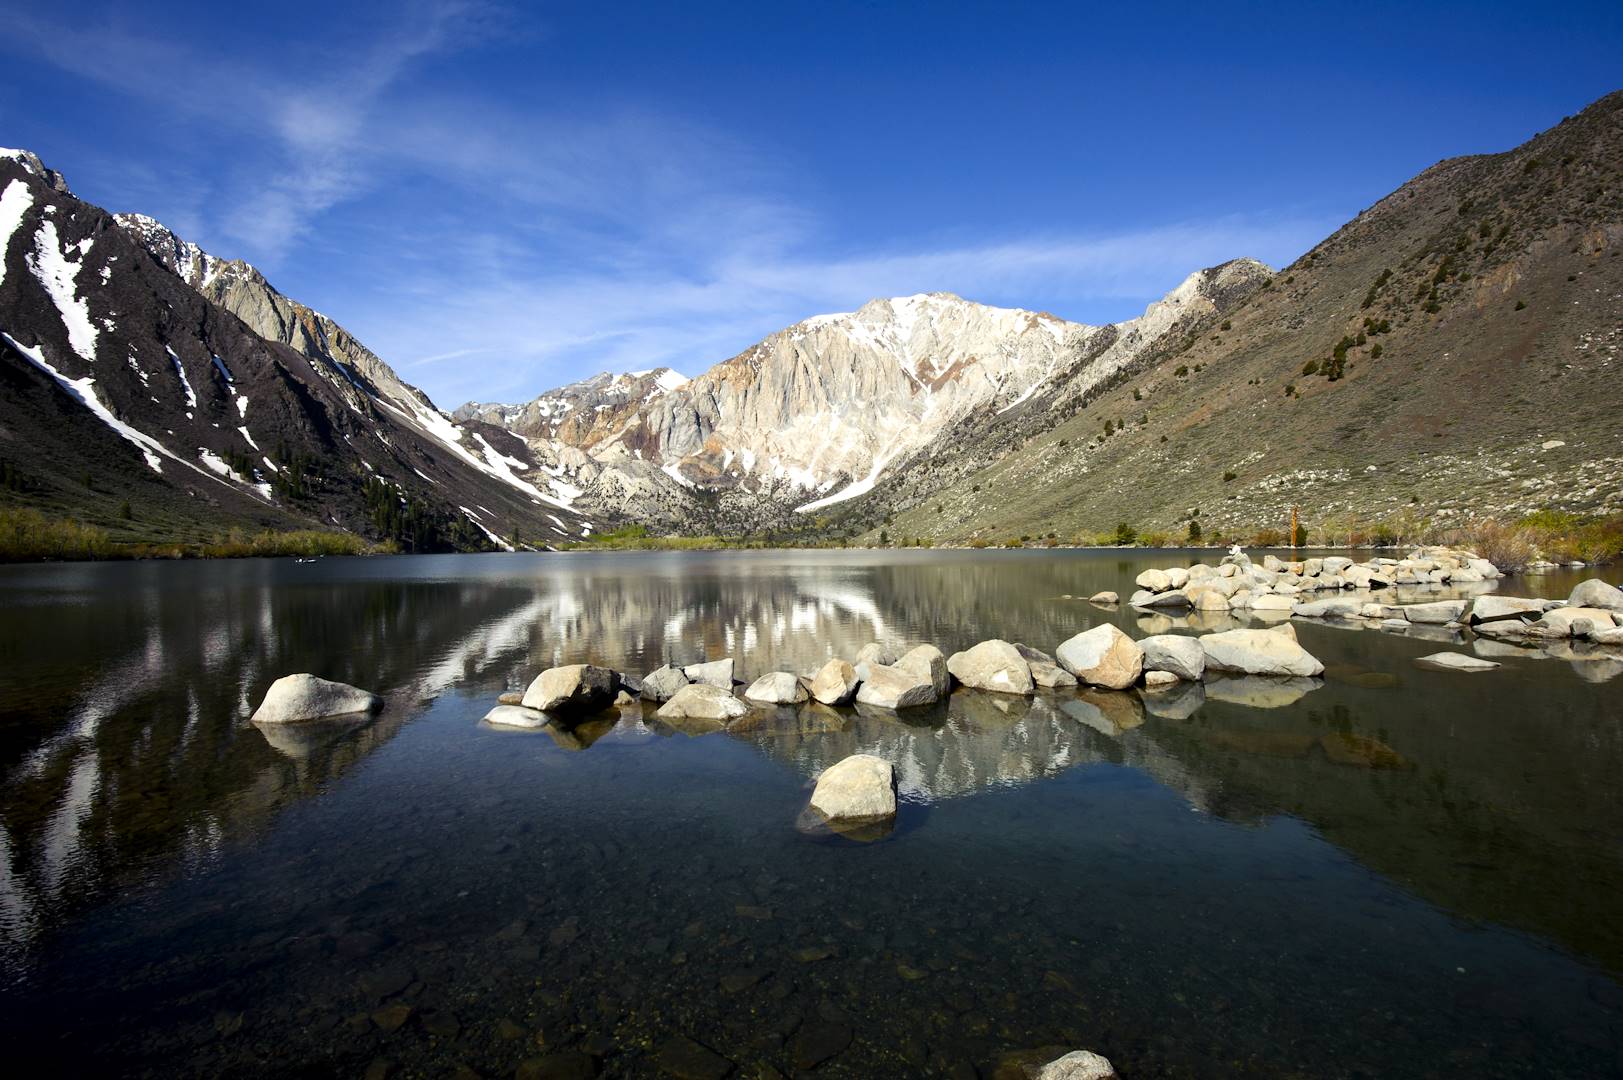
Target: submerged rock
[
  {"x": 859, "y": 788},
  {"x": 1259, "y": 652},
  {"x": 1077, "y": 1065},
  {"x": 662, "y": 685},
  {"x": 835, "y": 683},
  {"x": 702, "y": 701},
  {"x": 510, "y": 697},
  {"x": 573, "y": 688},
  {"x": 777, "y": 688},
  {"x": 1102, "y": 656},
  {"x": 305, "y": 697},
  {"x": 992, "y": 665},
  {"x": 1453, "y": 661},
  {"x": 516, "y": 716}
]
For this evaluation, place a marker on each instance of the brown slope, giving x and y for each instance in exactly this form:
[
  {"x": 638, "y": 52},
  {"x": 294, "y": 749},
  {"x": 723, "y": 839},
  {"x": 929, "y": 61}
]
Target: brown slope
[{"x": 1505, "y": 312}]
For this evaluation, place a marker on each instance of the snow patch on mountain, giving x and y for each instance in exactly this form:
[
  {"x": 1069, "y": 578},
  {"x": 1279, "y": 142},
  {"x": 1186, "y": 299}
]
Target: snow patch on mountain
[
  {"x": 14, "y": 203},
  {"x": 56, "y": 273},
  {"x": 85, "y": 391}
]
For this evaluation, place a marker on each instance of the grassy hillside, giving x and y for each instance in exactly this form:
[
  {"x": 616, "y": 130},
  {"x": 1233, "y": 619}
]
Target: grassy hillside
[{"x": 1451, "y": 353}]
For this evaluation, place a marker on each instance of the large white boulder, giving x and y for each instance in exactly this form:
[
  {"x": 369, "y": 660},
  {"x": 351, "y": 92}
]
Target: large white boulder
[
  {"x": 927, "y": 660},
  {"x": 859, "y": 788},
  {"x": 1177, "y": 576},
  {"x": 777, "y": 688},
  {"x": 992, "y": 665},
  {"x": 717, "y": 673},
  {"x": 1596, "y": 593},
  {"x": 1259, "y": 652},
  {"x": 305, "y": 697},
  {"x": 887, "y": 687},
  {"x": 1177, "y": 654},
  {"x": 702, "y": 701},
  {"x": 835, "y": 683},
  {"x": 573, "y": 688},
  {"x": 1102, "y": 656}
]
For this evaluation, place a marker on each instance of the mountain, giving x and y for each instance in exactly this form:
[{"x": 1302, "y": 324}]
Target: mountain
[
  {"x": 1451, "y": 352},
  {"x": 161, "y": 393},
  {"x": 816, "y": 414}
]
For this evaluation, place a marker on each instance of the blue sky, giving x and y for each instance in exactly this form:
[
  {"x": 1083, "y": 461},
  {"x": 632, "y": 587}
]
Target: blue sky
[{"x": 502, "y": 199}]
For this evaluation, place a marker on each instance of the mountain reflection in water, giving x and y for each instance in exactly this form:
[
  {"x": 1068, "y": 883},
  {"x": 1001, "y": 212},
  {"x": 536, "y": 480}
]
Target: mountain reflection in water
[{"x": 129, "y": 763}]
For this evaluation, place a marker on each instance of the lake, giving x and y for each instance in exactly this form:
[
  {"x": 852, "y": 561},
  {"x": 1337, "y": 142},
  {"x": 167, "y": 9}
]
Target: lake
[{"x": 1388, "y": 872}]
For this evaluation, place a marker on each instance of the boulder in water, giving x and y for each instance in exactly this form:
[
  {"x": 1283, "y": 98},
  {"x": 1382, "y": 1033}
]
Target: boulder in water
[
  {"x": 717, "y": 673},
  {"x": 1259, "y": 652},
  {"x": 1453, "y": 661},
  {"x": 1102, "y": 656},
  {"x": 893, "y": 688},
  {"x": 702, "y": 701},
  {"x": 572, "y": 689},
  {"x": 1077, "y": 1065},
  {"x": 305, "y": 697},
  {"x": 859, "y": 788},
  {"x": 992, "y": 665},
  {"x": 1596, "y": 593},
  {"x": 835, "y": 683},
  {"x": 662, "y": 685},
  {"x": 927, "y": 660},
  {"x": 777, "y": 688},
  {"x": 515, "y": 716},
  {"x": 1177, "y": 654}
]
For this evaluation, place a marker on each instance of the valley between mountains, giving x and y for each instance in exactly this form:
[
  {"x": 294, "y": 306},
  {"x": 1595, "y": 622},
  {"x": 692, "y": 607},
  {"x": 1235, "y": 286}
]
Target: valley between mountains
[{"x": 1450, "y": 354}]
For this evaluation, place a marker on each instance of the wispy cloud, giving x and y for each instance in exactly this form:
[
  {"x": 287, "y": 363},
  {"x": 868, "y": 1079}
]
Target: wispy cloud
[{"x": 556, "y": 242}]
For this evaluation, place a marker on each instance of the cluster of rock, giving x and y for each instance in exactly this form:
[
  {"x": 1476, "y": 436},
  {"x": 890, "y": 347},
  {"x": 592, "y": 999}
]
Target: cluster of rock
[
  {"x": 861, "y": 788},
  {"x": 1275, "y": 589},
  {"x": 1238, "y": 584}
]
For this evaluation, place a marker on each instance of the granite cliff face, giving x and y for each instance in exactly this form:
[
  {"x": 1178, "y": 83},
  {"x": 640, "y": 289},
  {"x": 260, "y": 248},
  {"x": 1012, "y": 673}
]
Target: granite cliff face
[{"x": 818, "y": 413}]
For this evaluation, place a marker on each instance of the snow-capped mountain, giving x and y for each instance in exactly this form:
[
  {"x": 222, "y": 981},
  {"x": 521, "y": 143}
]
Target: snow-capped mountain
[
  {"x": 816, "y": 414},
  {"x": 147, "y": 382}
]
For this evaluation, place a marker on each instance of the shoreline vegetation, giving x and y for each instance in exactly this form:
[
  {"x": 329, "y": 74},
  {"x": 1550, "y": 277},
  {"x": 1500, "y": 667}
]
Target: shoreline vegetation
[{"x": 27, "y": 535}]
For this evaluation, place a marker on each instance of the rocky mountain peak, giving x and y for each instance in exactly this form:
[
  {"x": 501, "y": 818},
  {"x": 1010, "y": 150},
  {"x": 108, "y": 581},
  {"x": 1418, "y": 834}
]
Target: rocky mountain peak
[{"x": 32, "y": 165}]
